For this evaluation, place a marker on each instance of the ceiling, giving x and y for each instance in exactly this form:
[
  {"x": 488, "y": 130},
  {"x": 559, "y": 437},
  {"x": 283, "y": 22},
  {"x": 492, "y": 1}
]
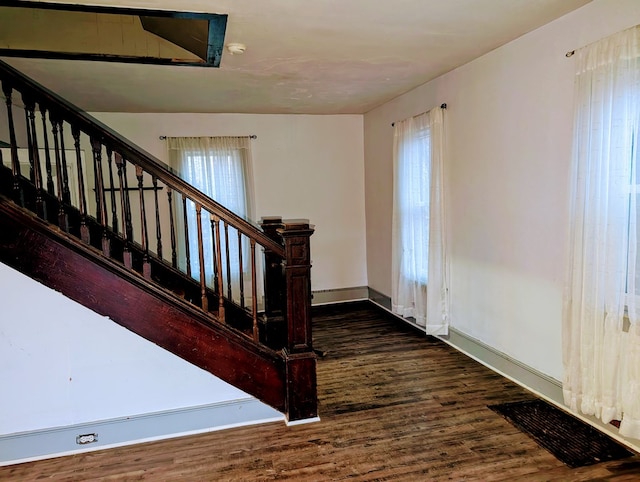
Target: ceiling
[{"x": 308, "y": 57}]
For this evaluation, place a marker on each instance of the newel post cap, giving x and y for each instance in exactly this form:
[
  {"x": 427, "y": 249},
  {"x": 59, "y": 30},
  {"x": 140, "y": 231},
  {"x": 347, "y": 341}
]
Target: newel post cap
[{"x": 296, "y": 226}]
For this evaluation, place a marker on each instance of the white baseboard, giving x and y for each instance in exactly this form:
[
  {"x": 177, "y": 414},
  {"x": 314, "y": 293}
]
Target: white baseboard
[
  {"x": 505, "y": 365},
  {"x": 42, "y": 444},
  {"x": 339, "y": 295}
]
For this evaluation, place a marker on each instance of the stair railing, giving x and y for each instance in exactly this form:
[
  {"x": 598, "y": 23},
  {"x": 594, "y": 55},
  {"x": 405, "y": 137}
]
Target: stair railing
[{"x": 99, "y": 187}]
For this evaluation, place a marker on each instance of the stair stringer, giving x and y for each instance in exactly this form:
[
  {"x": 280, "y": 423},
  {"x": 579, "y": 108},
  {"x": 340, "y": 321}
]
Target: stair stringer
[{"x": 59, "y": 261}]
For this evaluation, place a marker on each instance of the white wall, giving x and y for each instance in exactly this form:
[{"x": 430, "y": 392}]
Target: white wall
[
  {"x": 304, "y": 167},
  {"x": 62, "y": 364},
  {"x": 509, "y": 149}
]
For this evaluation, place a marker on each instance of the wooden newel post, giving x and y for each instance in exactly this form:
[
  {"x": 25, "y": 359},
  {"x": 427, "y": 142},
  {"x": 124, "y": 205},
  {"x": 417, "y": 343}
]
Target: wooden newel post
[
  {"x": 302, "y": 397},
  {"x": 297, "y": 271}
]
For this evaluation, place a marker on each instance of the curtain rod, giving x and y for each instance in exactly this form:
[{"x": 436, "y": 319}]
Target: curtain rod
[
  {"x": 252, "y": 136},
  {"x": 442, "y": 106},
  {"x": 571, "y": 53}
]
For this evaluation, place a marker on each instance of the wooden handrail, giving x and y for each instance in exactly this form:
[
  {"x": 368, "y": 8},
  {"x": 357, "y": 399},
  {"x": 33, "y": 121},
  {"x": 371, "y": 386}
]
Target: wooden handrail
[{"x": 101, "y": 132}]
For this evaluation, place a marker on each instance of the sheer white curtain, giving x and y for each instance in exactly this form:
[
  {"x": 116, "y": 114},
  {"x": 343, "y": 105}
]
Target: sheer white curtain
[
  {"x": 220, "y": 167},
  {"x": 419, "y": 286},
  {"x": 601, "y": 334}
]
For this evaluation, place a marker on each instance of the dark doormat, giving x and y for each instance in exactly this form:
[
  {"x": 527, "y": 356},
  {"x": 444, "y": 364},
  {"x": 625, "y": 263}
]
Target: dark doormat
[{"x": 569, "y": 439}]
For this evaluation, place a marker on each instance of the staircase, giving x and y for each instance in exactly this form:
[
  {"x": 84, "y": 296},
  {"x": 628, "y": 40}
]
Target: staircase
[{"x": 89, "y": 214}]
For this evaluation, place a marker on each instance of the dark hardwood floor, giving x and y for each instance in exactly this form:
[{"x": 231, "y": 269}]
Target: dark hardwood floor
[{"x": 394, "y": 404}]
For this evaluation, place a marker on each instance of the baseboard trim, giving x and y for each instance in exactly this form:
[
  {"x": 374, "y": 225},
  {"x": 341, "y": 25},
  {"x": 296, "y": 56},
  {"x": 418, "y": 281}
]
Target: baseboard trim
[
  {"x": 339, "y": 295},
  {"x": 381, "y": 300},
  {"x": 54, "y": 442},
  {"x": 507, "y": 366}
]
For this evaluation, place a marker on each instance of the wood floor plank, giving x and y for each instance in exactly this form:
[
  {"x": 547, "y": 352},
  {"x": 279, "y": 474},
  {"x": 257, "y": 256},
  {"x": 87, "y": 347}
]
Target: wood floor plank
[{"x": 394, "y": 405}]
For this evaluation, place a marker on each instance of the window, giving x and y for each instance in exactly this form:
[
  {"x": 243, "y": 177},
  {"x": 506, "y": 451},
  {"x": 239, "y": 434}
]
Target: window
[
  {"x": 218, "y": 171},
  {"x": 220, "y": 167},
  {"x": 413, "y": 178},
  {"x": 601, "y": 332},
  {"x": 419, "y": 262}
]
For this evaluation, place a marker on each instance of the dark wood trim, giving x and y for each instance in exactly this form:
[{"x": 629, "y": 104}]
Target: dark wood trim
[{"x": 80, "y": 272}]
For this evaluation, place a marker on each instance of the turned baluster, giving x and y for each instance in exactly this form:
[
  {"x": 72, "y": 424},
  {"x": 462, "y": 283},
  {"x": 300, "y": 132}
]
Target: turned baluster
[
  {"x": 203, "y": 278},
  {"x": 186, "y": 233},
  {"x": 63, "y": 218},
  {"x": 27, "y": 104},
  {"x": 66, "y": 191},
  {"x": 227, "y": 257},
  {"x": 126, "y": 218},
  {"x": 172, "y": 228},
  {"x": 254, "y": 293},
  {"x": 101, "y": 200},
  {"x": 34, "y": 154},
  {"x": 154, "y": 182},
  {"x": 112, "y": 190},
  {"x": 240, "y": 270},
  {"x": 96, "y": 150},
  {"x": 215, "y": 222},
  {"x": 146, "y": 265},
  {"x": 84, "y": 229},
  {"x": 18, "y": 194},
  {"x": 47, "y": 155},
  {"x": 216, "y": 266}
]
